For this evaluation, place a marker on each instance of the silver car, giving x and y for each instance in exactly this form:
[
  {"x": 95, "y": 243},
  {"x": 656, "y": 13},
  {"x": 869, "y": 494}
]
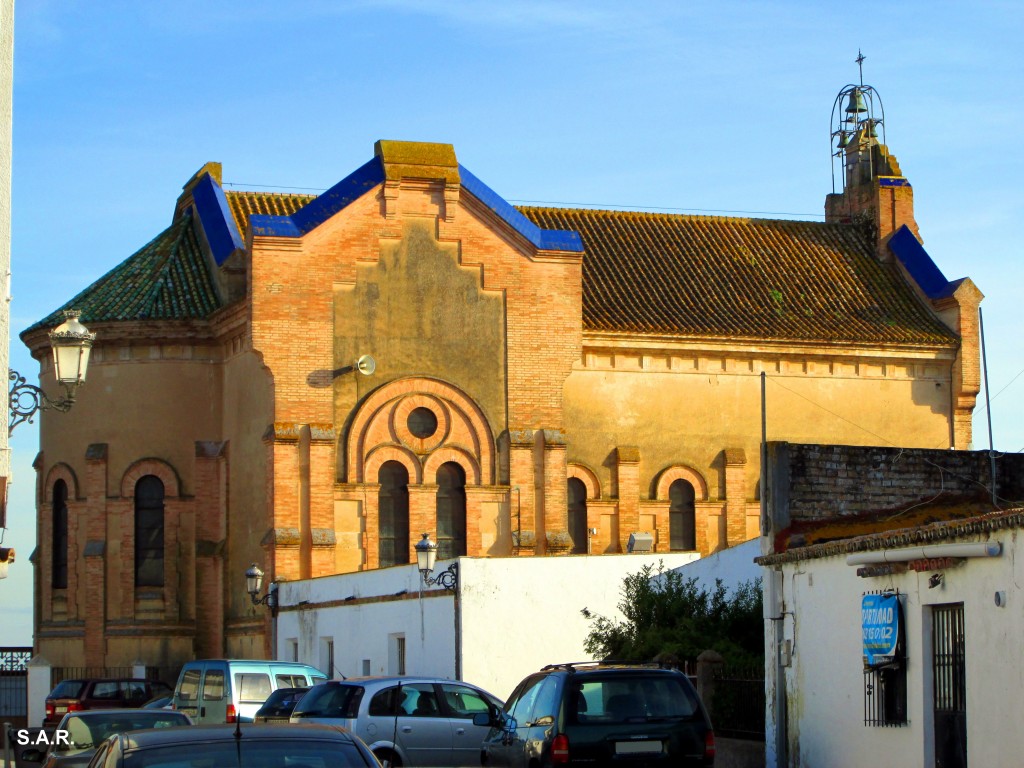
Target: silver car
[{"x": 406, "y": 721}]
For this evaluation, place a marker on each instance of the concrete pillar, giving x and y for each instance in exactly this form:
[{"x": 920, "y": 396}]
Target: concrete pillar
[{"x": 39, "y": 686}]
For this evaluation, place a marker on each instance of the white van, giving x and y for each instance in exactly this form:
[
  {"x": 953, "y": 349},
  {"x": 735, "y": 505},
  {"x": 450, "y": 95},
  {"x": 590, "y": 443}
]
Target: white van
[{"x": 226, "y": 690}]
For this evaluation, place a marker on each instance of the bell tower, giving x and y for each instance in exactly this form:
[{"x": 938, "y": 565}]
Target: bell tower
[{"x": 873, "y": 188}]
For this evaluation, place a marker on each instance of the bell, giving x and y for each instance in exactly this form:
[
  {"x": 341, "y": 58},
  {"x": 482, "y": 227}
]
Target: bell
[
  {"x": 844, "y": 140},
  {"x": 856, "y": 104},
  {"x": 869, "y": 130}
]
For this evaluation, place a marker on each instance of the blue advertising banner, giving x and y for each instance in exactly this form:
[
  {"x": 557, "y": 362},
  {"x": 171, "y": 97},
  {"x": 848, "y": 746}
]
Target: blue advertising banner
[{"x": 880, "y": 621}]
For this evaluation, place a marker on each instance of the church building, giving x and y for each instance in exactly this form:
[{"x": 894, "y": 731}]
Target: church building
[{"x": 310, "y": 382}]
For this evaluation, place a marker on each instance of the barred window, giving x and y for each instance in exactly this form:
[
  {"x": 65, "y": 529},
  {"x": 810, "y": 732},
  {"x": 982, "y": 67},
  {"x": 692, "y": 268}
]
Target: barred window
[
  {"x": 885, "y": 684},
  {"x": 149, "y": 532}
]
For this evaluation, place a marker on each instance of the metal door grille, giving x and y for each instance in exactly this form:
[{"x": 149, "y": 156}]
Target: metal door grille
[
  {"x": 949, "y": 676},
  {"x": 948, "y": 656}
]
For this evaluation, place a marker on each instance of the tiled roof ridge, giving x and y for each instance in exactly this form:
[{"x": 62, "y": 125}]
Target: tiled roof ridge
[
  {"x": 605, "y": 212},
  {"x": 903, "y": 537},
  {"x": 231, "y": 192}
]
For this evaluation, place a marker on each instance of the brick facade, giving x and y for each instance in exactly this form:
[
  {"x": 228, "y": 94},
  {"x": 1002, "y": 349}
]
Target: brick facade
[{"x": 269, "y": 445}]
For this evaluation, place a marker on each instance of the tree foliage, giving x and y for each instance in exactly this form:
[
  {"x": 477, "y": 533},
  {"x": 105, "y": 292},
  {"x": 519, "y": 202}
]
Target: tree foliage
[{"x": 668, "y": 615}]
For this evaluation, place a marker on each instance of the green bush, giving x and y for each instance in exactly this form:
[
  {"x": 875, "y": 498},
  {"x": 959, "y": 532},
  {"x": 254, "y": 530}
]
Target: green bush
[{"x": 667, "y": 615}]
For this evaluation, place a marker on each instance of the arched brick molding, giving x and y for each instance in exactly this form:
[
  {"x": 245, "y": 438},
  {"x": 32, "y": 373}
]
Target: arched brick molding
[
  {"x": 681, "y": 472},
  {"x": 586, "y": 476},
  {"x": 403, "y": 456},
  {"x": 60, "y": 472},
  {"x": 455, "y": 455},
  {"x": 157, "y": 467},
  {"x": 463, "y": 434}
]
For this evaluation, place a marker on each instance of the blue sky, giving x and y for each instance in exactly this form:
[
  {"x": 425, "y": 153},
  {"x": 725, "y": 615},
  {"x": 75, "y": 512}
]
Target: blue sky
[{"x": 700, "y": 106}]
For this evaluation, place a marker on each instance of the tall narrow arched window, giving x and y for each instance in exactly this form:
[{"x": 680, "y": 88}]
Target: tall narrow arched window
[
  {"x": 451, "y": 511},
  {"x": 682, "y": 523},
  {"x": 149, "y": 532},
  {"x": 578, "y": 515},
  {"x": 393, "y": 514},
  {"x": 60, "y": 535}
]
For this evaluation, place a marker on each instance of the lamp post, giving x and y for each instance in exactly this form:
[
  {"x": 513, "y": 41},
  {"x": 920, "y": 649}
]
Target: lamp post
[
  {"x": 71, "y": 342},
  {"x": 253, "y": 585}
]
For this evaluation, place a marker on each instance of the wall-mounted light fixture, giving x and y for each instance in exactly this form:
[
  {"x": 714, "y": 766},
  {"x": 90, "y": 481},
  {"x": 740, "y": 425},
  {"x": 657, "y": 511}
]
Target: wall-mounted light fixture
[
  {"x": 71, "y": 342},
  {"x": 426, "y": 556},
  {"x": 254, "y": 584}
]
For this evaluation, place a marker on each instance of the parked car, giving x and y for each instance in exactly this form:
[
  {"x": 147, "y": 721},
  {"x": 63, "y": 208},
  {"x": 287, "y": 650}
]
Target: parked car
[
  {"x": 85, "y": 730},
  {"x": 600, "y": 714},
  {"x": 405, "y": 720},
  {"x": 80, "y": 695},
  {"x": 160, "y": 702},
  {"x": 223, "y": 690},
  {"x": 279, "y": 705},
  {"x": 222, "y": 746}
]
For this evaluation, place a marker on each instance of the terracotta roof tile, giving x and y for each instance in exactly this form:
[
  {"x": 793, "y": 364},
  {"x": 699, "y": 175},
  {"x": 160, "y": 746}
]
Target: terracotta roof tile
[
  {"x": 246, "y": 204},
  {"x": 740, "y": 278}
]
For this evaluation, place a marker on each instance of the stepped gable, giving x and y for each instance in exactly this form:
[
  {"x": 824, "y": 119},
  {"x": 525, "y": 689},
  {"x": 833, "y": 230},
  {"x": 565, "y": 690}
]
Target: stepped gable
[{"x": 651, "y": 273}]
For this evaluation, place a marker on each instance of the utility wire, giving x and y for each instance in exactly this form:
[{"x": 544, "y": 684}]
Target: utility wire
[{"x": 568, "y": 204}]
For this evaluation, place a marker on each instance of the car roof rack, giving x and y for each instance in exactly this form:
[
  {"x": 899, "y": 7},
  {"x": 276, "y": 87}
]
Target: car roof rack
[{"x": 572, "y": 666}]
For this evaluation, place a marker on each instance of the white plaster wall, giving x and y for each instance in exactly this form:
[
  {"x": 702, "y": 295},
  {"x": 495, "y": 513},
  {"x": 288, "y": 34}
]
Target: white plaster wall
[
  {"x": 522, "y": 613},
  {"x": 366, "y": 630},
  {"x": 517, "y": 614},
  {"x": 733, "y": 566},
  {"x": 825, "y": 686}
]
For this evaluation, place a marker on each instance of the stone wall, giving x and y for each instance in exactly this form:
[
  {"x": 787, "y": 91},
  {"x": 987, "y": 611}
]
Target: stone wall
[{"x": 821, "y": 482}]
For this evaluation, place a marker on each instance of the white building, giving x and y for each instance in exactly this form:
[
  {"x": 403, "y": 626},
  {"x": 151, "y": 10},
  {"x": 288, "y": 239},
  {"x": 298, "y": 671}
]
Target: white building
[
  {"x": 505, "y": 618},
  {"x": 942, "y": 683}
]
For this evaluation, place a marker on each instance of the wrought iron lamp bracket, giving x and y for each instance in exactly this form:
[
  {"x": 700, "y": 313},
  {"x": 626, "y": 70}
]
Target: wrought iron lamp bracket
[
  {"x": 448, "y": 578},
  {"x": 26, "y": 400}
]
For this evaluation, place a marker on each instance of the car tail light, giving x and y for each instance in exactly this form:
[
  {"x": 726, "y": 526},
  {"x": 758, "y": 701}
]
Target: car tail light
[
  {"x": 75, "y": 706},
  {"x": 560, "y": 749},
  {"x": 51, "y": 709},
  {"x": 709, "y": 747},
  {"x": 231, "y": 713}
]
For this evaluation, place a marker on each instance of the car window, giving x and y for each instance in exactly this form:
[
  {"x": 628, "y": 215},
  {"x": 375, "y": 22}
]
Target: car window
[
  {"x": 253, "y": 687},
  {"x": 134, "y": 692},
  {"x": 621, "y": 699},
  {"x": 280, "y": 753},
  {"x": 383, "y": 702},
  {"x": 68, "y": 689},
  {"x": 420, "y": 700},
  {"x": 330, "y": 700},
  {"x": 189, "y": 688},
  {"x": 106, "y": 690},
  {"x": 545, "y": 706},
  {"x": 463, "y": 701},
  {"x": 291, "y": 681},
  {"x": 520, "y": 703},
  {"x": 213, "y": 685}
]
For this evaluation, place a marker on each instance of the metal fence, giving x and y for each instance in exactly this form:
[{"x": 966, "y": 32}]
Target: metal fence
[
  {"x": 739, "y": 701},
  {"x": 14, "y": 684}
]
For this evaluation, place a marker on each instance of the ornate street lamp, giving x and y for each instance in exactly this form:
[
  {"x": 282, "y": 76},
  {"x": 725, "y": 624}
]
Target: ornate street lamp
[
  {"x": 72, "y": 343},
  {"x": 253, "y": 585},
  {"x": 426, "y": 556}
]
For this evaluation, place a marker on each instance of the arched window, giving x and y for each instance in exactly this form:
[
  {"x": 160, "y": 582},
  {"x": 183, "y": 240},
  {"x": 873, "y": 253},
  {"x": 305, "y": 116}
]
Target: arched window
[
  {"x": 451, "y": 511},
  {"x": 149, "y": 532},
  {"x": 682, "y": 523},
  {"x": 60, "y": 535},
  {"x": 393, "y": 514},
  {"x": 578, "y": 515}
]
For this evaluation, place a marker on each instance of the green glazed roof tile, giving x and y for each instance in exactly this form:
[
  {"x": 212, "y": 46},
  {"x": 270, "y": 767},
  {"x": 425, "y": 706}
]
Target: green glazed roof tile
[{"x": 167, "y": 279}]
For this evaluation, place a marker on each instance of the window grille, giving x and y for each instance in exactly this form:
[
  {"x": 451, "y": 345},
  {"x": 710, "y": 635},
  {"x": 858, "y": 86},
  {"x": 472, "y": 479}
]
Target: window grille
[{"x": 885, "y": 683}]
